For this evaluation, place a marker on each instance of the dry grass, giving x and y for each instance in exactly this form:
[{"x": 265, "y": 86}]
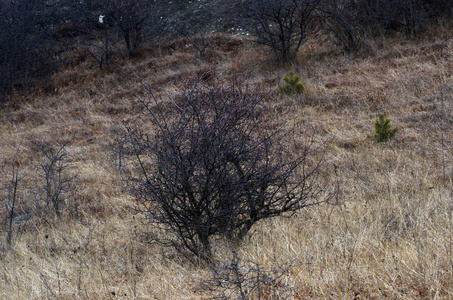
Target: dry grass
[{"x": 389, "y": 234}]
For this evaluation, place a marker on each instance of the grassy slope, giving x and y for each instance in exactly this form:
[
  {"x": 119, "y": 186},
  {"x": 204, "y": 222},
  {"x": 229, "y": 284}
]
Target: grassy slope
[{"x": 389, "y": 233}]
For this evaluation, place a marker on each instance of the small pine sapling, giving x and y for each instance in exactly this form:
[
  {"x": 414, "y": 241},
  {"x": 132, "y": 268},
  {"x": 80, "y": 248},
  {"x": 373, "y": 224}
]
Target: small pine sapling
[
  {"x": 383, "y": 131},
  {"x": 293, "y": 86}
]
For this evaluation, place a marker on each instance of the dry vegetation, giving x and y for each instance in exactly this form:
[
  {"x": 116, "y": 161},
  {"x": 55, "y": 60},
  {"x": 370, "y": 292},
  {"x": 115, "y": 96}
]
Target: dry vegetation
[{"x": 388, "y": 233}]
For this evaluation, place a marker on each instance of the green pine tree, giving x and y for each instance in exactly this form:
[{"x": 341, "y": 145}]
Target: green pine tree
[
  {"x": 293, "y": 86},
  {"x": 383, "y": 131}
]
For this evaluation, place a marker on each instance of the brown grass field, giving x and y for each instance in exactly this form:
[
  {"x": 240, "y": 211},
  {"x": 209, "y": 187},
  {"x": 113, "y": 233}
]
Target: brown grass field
[{"x": 388, "y": 234}]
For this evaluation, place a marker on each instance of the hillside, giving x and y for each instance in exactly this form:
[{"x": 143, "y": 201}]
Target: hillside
[{"x": 387, "y": 234}]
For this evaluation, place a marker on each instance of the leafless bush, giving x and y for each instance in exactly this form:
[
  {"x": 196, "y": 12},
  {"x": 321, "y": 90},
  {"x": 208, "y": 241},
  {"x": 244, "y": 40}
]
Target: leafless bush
[
  {"x": 215, "y": 170},
  {"x": 199, "y": 41},
  {"x": 339, "y": 17},
  {"x": 10, "y": 178},
  {"x": 281, "y": 24},
  {"x": 58, "y": 184},
  {"x": 241, "y": 279},
  {"x": 409, "y": 16},
  {"x": 351, "y": 20},
  {"x": 104, "y": 23}
]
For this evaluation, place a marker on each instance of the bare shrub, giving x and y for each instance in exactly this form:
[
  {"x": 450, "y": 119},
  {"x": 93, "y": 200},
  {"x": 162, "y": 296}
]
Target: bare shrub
[
  {"x": 340, "y": 19},
  {"x": 58, "y": 184},
  {"x": 351, "y": 20},
  {"x": 281, "y": 24},
  {"x": 10, "y": 177},
  {"x": 103, "y": 24},
  {"x": 215, "y": 169},
  {"x": 245, "y": 279},
  {"x": 200, "y": 42},
  {"x": 409, "y": 16}
]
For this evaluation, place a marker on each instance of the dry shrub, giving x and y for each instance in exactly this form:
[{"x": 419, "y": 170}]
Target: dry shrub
[{"x": 215, "y": 170}]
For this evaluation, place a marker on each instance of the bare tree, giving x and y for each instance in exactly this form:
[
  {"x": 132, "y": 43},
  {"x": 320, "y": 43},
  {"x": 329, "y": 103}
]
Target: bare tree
[
  {"x": 10, "y": 179},
  {"x": 58, "y": 184},
  {"x": 104, "y": 23},
  {"x": 97, "y": 36},
  {"x": 409, "y": 16},
  {"x": 339, "y": 16},
  {"x": 281, "y": 24},
  {"x": 135, "y": 20},
  {"x": 215, "y": 170}
]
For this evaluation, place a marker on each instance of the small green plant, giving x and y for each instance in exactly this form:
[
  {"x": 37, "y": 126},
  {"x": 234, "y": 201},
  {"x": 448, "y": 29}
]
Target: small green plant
[
  {"x": 293, "y": 86},
  {"x": 383, "y": 131}
]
